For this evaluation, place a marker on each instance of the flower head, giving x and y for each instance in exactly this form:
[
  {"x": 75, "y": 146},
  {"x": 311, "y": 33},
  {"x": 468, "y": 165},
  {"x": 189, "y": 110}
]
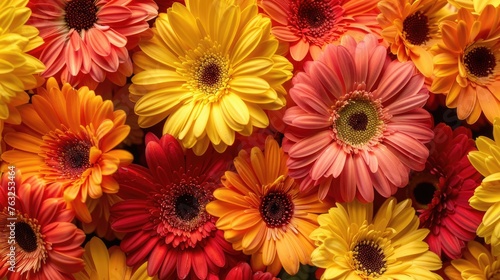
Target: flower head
[
  {"x": 310, "y": 25},
  {"x": 487, "y": 196},
  {"x": 477, "y": 263},
  {"x": 212, "y": 68},
  {"x": 85, "y": 41},
  {"x": 358, "y": 127},
  {"x": 163, "y": 212},
  {"x": 67, "y": 138},
  {"x": 262, "y": 212},
  {"x": 352, "y": 243},
  {"x": 467, "y": 64},
  {"x": 411, "y": 28},
  {"x": 47, "y": 243}
]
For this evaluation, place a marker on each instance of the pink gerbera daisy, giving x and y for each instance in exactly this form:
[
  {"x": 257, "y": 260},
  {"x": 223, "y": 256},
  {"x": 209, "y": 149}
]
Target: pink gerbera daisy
[
  {"x": 358, "y": 123},
  {"x": 163, "y": 213},
  {"x": 86, "y": 41},
  {"x": 309, "y": 25}
]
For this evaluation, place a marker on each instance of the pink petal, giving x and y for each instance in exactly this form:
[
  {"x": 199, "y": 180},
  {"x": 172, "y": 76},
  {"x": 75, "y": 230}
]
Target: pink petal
[
  {"x": 348, "y": 180},
  {"x": 364, "y": 182},
  {"x": 395, "y": 77},
  {"x": 311, "y": 145},
  {"x": 324, "y": 161},
  {"x": 98, "y": 42}
]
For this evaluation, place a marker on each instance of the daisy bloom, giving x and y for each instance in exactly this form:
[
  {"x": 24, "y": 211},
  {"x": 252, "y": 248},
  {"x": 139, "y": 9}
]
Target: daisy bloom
[
  {"x": 487, "y": 196},
  {"x": 105, "y": 264},
  {"x": 67, "y": 138},
  {"x": 352, "y": 243},
  {"x": 357, "y": 127},
  {"x": 212, "y": 69},
  {"x": 411, "y": 29},
  {"x": 87, "y": 41},
  {"x": 309, "y": 25},
  {"x": 467, "y": 64},
  {"x": 163, "y": 212},
  {"x": 18, "y": 70},
  {"x": 36, "y": 222},
  {"x": 262, "y": 212},
  {"x": 477, "y": 263},
  {"x": 440, "y": 192}
]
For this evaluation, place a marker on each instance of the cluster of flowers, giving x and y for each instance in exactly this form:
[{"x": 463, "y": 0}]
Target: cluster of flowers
[{"x": 250, "y": 139}]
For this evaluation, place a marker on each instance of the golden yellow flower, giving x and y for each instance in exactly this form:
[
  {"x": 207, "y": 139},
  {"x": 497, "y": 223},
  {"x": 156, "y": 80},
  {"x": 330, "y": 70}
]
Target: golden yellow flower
[{"x": 477, "y": 263}]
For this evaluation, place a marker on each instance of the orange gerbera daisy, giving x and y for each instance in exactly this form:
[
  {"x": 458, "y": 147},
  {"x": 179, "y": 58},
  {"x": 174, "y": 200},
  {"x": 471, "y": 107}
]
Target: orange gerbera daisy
[
  {"x": 262, "y": 212},
  {"x": 467, "y": 64},
  {"x": 35, "y": 221},
  {"x": 67, "y": 137},
  {"x": 411, "y": 28},
  {"x": 309, "y": 25}
]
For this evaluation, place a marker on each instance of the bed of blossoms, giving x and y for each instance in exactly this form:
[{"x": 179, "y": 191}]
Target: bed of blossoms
[{"x": 250, "y": 139}]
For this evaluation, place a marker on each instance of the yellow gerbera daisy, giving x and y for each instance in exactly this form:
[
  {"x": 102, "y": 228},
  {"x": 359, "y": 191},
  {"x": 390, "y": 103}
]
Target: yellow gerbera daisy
[
  {"x": 354, "y": 244},
  {"x": 17, "y": 69},
  {"x": 411, "y": 28},
  {"x": 467, "y": 64},
  {"x": 68, "y": 137},
  {"x": 487, "y": 196},
  {"x": 105, "y": 264},
  {"x": 212, "y": 68},
  {"x": 477, "y": 263},
  {"x": 262, "y": 212}
]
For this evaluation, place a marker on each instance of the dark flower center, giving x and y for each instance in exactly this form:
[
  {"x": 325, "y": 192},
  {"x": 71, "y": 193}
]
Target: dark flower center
[
  {"x": 358, "y": 121},
  {"x": 74, "y": 157},
  {"x": 80, "y": 14},
  {"x": 424, "y": 192},
  {"x": 480, "y": 62},
  {"x": 416, "y": 28},
  {"x": 25, "y": 237},
  {"x": 314, "y": 19},
  {"x": 276, "y": 209},
  {"x": 313, "y": 15},
  {"x": 210, "y": 74},
  {"x": 369, "y": 258},
  {"x": 187, "y": 207}
]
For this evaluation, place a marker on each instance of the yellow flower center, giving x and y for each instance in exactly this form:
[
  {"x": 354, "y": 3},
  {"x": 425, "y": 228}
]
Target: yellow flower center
[
  {"x": 369, "y": 258},
  {"x": 479, "y": 61},
  {"x": 416, "y": 28},
  {"x": 80, "y": 14}
]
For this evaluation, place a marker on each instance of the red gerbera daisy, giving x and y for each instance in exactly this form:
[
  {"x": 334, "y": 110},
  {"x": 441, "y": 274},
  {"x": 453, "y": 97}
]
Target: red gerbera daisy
[
  {"x": 442, "y": 190},
  {"x": 163, "y": 212},
  {"x": 47, "y": 243}
]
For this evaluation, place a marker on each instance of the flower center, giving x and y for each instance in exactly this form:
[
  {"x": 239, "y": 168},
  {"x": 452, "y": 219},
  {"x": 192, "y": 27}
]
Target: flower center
[
  {"x": 422, "y": 188},
  {"x": 26, "y": 237},
  {"x": 416, "y": 28},
  {"x": 276, "y": 209},
  {"x": 358, "y": 120},
  {"x": 312, "y": 15},
  {"x": 479, "y": 62},
  {"x": 369, "y": 258},
  {"x": 314, "y": 19},
  {"x": 187, "y": 207},
  {"x": 210, "y": 74},
  {"x": 424, "y": 192},
  {"x": 80, "y": 14}
]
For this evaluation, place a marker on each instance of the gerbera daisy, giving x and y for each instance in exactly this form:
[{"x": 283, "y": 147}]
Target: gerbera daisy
[
  {"x": 309, "y": 25},
  {"x": 18, "y": 70},
  {"x": 243, "y": 271},
  {"x": 411, "y": 28},
  {"x": 487, "y": 195},
  {"x": 357, "y": 127},
  {"x": 262, "y": 212},
  {"x": 87, "y": 41},
  {"x": 163, "y": 213},
  {"x": 36, "y": 222},
  {"x": 67, "y": 138},
  {"x": 212, "y": 68},
  {"x": 104, "y": 264},
  {"x": 352, "y": 243},
  {"x": 467, "y": 64},
  {"x": 441, "y": 192},
  {"x": 477, "y": 263}
]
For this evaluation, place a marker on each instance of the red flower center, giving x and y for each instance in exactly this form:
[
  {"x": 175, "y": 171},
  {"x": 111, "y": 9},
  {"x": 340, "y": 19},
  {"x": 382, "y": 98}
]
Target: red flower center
[
  {"x": 314, "y": 19},
  {"x": 276, "y": 209},
  {"x": 26, "y": 237},
  {"x": 416, "y": 28},
  {"x": 80, "y": 14}
]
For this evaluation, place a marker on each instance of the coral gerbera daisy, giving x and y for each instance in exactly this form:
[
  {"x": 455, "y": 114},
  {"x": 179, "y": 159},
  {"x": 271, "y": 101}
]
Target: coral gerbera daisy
[
  {"x": 262, "y": 212},
  {"x": 163, "y": 212},
  {"x": 67, "y": 138},
  {"x": 487, "y": 196},
  {"x": 104, "y": 264},
  {"x": 87, "y": 41},
  {"x": 477, "y": 263},
  {"x": 352, "y": 243},
  {"x": 357, "y": 127},
  {"x": 309, "y": 25},
  {"x": 441, "y": 192},
  {"x": 467, "y": 64},
  {"x": 212, "y": 68},
  {"x": 411, "y": 28},
  {"x": 35, "y": 221}
]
